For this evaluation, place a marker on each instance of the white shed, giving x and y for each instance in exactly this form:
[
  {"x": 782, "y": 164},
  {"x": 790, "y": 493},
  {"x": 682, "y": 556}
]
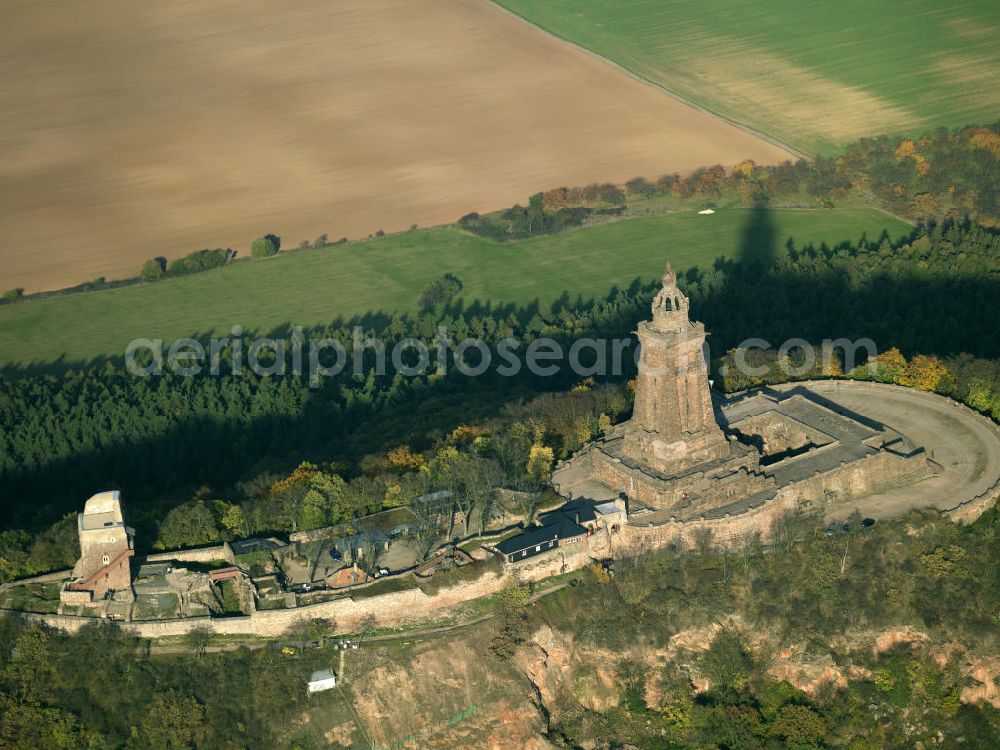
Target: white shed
[{"x": 322, "y": 680}]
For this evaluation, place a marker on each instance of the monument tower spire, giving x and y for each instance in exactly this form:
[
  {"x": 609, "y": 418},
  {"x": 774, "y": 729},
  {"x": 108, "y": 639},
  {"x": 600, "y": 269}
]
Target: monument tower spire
[{"x": 670, "y": 306}]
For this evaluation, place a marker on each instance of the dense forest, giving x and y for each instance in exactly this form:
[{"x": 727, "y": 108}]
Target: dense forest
[{"x": 169, "y": 439}]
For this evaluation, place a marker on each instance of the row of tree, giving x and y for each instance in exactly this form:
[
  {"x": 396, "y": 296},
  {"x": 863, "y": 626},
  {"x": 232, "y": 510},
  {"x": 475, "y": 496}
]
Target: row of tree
[
  {"x": 202, "y": 260},
  {"x": 942, "y": 174}
]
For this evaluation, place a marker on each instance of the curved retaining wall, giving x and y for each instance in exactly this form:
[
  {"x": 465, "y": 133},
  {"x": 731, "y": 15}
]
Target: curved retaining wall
[{"x": 967, "y": 509}]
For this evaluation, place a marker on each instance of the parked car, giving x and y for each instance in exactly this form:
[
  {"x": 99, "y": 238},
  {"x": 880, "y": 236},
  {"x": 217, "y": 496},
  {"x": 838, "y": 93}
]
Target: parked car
[
  {"x": 867, "y": 523},
  {"x": 336, "y": 555},
  {"x": 383, "y": 571}
]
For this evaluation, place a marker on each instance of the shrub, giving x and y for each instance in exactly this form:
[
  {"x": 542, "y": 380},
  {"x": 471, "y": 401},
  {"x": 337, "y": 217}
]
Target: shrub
[
  {"x": 200, "y": 260},
  {"x": 265, "y": 246},
  {"x": 641, "y": 187},
  {"x": 12, "y": 295},
  {"x": 439, "y": 292},
  {"x": 153, "y": 269},
  {"x": 727, "y": 663},
  {"x": 518, "y": 222}
]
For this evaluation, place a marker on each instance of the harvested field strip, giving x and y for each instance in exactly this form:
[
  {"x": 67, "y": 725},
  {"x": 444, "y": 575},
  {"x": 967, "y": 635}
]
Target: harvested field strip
[{"x": 132, "y": 130}]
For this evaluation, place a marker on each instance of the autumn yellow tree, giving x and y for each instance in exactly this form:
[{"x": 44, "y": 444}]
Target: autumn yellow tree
[
  {"x": 924, "y": 373},
  {"x": 745, "y": 168},
  {"x": 908, "y": 150},
  {"x": 403, "y": 458},
  {"x": 986, "y": 139},
  {"x": 540, "y": 459},
  {"x": 887, "y": 367},
  {"x": 302, "y": 472},
  {"x": 982, "y": 398},
  {"x": 235, "y": 521},
  {"x": 465, "y": 434}
]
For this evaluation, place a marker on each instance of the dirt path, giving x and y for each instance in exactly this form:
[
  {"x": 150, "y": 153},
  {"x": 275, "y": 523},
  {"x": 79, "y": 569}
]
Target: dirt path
[{"x": 132, "y": 130}]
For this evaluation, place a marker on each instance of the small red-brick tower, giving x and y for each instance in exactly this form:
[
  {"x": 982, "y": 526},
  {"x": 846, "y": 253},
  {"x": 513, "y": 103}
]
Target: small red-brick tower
[{"x": 106, "y": 548}]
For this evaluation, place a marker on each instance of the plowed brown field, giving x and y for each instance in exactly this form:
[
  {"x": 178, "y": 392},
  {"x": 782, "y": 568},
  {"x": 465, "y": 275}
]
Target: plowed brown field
[{"x": 131, "y": 130}]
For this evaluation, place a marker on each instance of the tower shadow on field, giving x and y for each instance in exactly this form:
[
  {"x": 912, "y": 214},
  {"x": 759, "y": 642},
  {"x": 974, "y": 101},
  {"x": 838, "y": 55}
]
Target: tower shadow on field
[{"x": 758, "y": 239}]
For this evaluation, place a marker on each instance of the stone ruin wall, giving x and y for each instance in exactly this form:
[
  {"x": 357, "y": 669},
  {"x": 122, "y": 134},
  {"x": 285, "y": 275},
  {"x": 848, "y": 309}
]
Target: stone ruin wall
[
  {"x": 200, "y": 555},
  {"x": 730, "y": 532},
  {"x": 76, "y": 598},
  {"x": 390, "y": 610},
  {"x": 973, "y": 509},
  {"x": 398, "y": 608}
]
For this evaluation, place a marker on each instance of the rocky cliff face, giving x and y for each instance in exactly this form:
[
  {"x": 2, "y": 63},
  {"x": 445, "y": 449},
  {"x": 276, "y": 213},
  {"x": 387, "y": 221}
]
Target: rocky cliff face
[
  {"x": 452, "y": 693},
  {"x": 446, "y": 693}
]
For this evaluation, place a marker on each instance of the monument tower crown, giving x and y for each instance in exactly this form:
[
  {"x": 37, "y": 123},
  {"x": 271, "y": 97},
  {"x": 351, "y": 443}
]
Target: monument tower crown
[{"x": 670, "y": 306}]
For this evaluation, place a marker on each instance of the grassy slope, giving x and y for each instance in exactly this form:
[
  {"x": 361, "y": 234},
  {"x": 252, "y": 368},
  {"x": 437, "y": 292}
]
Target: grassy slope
[
  {"x": 316, "y": 287},
  {"x": 814, "y": 75}
]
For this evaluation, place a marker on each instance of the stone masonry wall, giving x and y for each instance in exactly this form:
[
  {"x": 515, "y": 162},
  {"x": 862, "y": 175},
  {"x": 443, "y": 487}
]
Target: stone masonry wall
[
  {"x": 857, "y": 477},
  {"x": 201, "y": 554}
]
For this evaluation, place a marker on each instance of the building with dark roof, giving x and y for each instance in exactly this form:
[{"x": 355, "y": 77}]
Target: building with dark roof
[
  {"x": 554, "y": 529},
  {"x": 570, "y": 523}
]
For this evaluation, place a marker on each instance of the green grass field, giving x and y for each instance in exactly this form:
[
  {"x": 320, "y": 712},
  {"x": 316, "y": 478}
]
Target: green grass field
[
  {"x": 812, "y": 75},
  {"x": 318, "y": 286}
]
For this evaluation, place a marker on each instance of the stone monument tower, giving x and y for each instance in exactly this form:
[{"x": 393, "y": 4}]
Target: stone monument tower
[
  {"x": 672, "y": 455},
  {"x": 673, "y": 424}
]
